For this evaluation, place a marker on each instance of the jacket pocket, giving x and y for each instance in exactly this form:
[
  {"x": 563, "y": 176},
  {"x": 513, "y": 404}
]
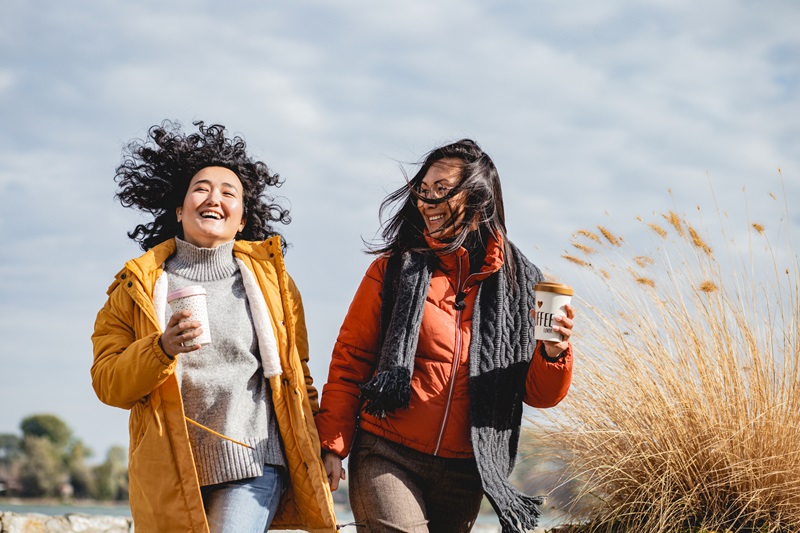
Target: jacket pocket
[
  {"x": 364, "y": 443},
  {"x": 140, "y": 415}
]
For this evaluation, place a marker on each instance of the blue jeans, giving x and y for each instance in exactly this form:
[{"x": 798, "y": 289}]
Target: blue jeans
[{"x": 246, "y": 505}]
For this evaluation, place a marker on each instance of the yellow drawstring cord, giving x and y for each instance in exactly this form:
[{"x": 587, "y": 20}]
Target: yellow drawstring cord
[
  {"x": 155, "y": 403},
  {"x": 220, "y": 435},
  {"x": 158, "y": 423}
]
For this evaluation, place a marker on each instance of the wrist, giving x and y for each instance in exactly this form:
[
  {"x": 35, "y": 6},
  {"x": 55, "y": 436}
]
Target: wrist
[
  {"x": 552, "y": 359},
  {"x": 160, "y": 345}
]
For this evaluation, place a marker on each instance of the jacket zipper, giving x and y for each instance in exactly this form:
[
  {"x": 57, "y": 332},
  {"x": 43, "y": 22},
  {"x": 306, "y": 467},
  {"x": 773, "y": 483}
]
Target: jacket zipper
[{"x": 457, "y": 357}]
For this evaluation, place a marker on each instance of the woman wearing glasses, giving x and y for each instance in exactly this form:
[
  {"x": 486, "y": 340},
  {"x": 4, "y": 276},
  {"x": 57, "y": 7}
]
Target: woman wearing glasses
[{"x": 436, "y": 357}]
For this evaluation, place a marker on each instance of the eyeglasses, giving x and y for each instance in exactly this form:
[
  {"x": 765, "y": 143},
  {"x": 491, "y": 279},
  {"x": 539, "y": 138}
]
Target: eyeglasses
[{"x": 437, "y": 191}]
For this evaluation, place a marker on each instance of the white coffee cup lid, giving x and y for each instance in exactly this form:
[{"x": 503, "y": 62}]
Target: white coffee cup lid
[
  {"x": 558, "y": 288},
  {"x": 194, "y": 290}
]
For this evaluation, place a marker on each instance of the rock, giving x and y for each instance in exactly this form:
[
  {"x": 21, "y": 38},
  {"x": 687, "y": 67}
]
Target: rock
[{"x": 70, "y": 523}]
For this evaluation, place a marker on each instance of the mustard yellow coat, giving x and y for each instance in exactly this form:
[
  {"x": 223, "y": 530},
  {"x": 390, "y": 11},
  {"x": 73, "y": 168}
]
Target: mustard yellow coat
[{"x": 131, "y": 371}]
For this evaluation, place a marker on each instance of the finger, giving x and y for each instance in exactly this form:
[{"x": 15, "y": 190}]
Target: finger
[
  {"x": 178, "y": 316},
  {"x": 565, "y": 326},
  {"x": 566, "y": 333},
  {"x": 570, "y": 311},
  {"x": 173, "y": 341},
  {"x": 188, "y": 325},
  {"x": 564, "y": 322},
  {"x": 189, "y": 330},
  {"x": 190, "y": 348},
  {"x": 186, "y": 336},
  {"x": 181, "y": 348},
  {"x": 333, "y": 481}
]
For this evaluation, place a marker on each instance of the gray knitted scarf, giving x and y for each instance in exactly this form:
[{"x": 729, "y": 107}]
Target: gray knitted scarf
[{"x": 499, "y": 355}]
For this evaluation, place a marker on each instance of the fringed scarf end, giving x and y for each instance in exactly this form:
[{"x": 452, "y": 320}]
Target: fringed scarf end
[
  {"x": 388, "y": 390},
  {"x": 521, "y": 514}
]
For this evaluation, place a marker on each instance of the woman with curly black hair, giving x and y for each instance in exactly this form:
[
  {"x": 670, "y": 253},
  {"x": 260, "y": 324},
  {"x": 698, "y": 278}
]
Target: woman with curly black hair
[{"x": 222, "y": 435}]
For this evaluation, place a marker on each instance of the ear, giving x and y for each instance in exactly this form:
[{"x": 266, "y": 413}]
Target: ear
[{"x": 178, "y": 213}]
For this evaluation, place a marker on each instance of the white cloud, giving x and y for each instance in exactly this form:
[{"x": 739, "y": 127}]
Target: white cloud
[{"x": 587, "y": 109}]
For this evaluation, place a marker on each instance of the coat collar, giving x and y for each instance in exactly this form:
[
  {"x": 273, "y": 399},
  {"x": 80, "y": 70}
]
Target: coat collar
[
  {"x": 495, "y": 254},
  {"x": 154, "y": 258}
]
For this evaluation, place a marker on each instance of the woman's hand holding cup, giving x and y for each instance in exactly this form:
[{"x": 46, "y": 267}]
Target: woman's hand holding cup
[
  {"x": 564, "y": 327},
  {"x": 179, "y": 330},
  {"x": 553, "y": 316}
]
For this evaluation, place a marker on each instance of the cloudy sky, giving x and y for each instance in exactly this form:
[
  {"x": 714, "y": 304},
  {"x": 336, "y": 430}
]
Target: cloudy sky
[{"x": 592, "y": 111}]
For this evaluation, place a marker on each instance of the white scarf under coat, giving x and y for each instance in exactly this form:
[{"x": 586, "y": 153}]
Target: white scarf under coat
[{"x": 262, "y": 320}]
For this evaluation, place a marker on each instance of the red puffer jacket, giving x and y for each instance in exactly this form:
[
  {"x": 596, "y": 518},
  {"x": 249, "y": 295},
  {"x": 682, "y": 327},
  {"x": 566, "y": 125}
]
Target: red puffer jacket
[{"x": 437, "y": 419}]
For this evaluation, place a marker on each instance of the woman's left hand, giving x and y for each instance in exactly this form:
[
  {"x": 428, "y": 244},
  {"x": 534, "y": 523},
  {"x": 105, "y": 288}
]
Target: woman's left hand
[
  {"x": 333, "y": 466},
  {"x": 564, "y": 327}
]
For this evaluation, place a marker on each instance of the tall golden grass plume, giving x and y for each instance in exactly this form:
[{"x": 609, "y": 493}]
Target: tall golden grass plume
[
  {"x": 576, "y": 260},
  {"x": 658, "y": 229},
  {"x": 685, "y": 407},
  {"x": 610, "y": 237},
  {"x": 708, "y": 286},
  {"x": 675, "y": 221},
  {"x": 588, "y": 234},
  {"x": 698, "y": 241},
  {"x": 588, "y": 250}
]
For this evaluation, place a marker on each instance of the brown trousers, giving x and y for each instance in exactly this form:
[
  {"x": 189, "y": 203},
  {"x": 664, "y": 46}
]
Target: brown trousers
[{"x": 396, "y": 489}]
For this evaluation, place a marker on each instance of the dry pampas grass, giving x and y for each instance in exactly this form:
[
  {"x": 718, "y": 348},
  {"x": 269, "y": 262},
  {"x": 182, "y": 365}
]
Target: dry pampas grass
[{"x": 684, "y": 414}]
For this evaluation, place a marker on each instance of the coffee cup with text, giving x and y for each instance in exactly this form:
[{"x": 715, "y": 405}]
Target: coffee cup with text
[{"x": 551, "y": 301}]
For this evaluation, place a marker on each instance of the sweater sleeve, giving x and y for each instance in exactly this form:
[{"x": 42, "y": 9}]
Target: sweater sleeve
[
  {"x": 352, "y": 363},
  {"x": 547, "y": 382}
]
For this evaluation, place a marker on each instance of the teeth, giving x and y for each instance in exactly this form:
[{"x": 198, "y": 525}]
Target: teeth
[
  {"x": 209, "y": 214},
  {"x": 435, "y": 218}
]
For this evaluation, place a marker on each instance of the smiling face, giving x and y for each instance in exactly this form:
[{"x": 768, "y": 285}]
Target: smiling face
[
  {"x": 439, "y": 179},
  {"x": 213, "y": 208}
]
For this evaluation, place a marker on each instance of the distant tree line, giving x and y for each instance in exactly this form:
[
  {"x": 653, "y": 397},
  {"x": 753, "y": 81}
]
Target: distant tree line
[{"x": 48, "y": 461}]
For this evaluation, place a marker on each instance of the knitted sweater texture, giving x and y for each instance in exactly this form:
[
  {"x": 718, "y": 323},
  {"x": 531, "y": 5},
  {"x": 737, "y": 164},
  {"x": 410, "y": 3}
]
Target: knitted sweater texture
[
  {"x": 222, "y": 384},
  {"x": 499, "y": 356}
]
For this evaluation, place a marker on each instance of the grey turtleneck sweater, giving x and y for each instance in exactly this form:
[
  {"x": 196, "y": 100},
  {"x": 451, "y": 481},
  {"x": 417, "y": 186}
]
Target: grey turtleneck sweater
[{"x": 222, "y": 384}]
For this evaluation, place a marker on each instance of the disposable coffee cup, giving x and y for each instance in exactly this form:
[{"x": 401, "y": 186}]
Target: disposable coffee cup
[
  {"x": 193, "y": 299},
  {"x": 551, "y": 301}
]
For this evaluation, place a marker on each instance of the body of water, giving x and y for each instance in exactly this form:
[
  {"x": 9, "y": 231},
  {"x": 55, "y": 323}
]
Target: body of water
[
  {"x": 23, "y": 507},
  {"x": 484, "y": 523}
]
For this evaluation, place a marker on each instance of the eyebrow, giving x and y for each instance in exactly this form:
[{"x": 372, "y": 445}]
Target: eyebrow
[
  {"x": 437, "y": 182},
  {"x": 224, "y": 184}
]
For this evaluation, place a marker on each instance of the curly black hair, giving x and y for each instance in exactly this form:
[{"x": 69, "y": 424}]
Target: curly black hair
[{"x": 155, "y": 174}]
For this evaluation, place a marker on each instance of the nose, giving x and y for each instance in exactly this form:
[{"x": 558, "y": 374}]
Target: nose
[{"x": 214, "y": 196}]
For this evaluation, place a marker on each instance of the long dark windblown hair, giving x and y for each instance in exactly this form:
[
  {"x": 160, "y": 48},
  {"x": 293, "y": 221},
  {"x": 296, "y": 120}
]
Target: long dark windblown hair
[
  {"x": 483, "y": 208},
  {"x": 155, "y": 173}
]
